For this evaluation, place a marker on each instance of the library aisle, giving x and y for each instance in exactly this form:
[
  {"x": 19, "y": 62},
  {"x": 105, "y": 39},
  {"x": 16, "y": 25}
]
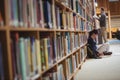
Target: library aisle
[{"x": 107, "y": 68}]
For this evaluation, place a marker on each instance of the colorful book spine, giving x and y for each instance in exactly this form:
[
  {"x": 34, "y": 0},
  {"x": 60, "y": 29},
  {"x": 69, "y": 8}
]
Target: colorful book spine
[
  {"x": 34, "y": 60},
  {"x": 15, "y": 12},
  {"x": 26, "y": 58},
  {"x": 54, "y": 50},
  {"x": 25, "y": 13},
  {"x": 47, "y": 14},
  {"x": 22, "y": 58},
  {"x": 60, "y": 73},
  {"x": 57, "y": 10},
  {"x": 37, "y": 48},
  {"x": 2, "y": 13},
  {"x": 1, "y": 19},
  {"x": 46, "y": 53},
  {"x": 1, "y": 64},
  {"x": 20, "y": 12},
  {"x": 30, "y": 67}
]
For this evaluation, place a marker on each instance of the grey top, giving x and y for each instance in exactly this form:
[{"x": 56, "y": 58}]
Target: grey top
[{"x": 102, "y": 20}]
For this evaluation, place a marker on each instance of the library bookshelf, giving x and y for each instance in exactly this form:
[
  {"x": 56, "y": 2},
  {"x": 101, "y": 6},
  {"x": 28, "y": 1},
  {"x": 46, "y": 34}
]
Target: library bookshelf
[{"x": 43, "y": 39}]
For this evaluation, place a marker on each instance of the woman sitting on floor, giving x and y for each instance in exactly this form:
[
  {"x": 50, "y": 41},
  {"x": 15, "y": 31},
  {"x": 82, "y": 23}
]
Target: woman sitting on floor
[{"x": 92, "y": 50}]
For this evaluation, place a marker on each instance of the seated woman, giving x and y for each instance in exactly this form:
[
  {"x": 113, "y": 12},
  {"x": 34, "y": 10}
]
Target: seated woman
[{"x": 92, "y": 50}]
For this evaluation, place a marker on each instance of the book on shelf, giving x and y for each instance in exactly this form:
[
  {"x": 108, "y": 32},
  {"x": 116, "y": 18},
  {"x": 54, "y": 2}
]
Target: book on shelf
[
  {"x": 60, "y": 45},
  {"x": 47, "y": 6},
  {"x": 2, "y": 77},
  {"x": 48, "y": 52},
  {"x": 63, "y": 18},
  {"x": 57, "y": 14},
  {"x": 1, "y": 20},
  {"x": 60, "y": 72},
  {"x": 2, "y": 13},
  {"x": 83, "y": 53},
  {"x": 69, "y": 67},
  {"x": 77, "y": 59},
  {"x": 67, "y": 43},
  {"x": 25, "y": 13},
  {"x": 26, "y": 56},
  {"x": 74, "y": 41},
  {"x": 74, "y": 63}
]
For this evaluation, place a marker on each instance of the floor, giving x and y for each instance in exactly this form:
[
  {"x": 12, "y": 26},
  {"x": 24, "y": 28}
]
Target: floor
[{"x": 107, "y": 68}]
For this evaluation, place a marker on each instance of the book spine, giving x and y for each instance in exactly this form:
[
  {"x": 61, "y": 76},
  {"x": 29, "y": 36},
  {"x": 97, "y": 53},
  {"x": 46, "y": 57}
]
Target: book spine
[
  {"x": 54, "y": 50},
  {"x": 30, "y": 66},
  {"x": 42, "y": 54},
  {"x": 46, "y": 53},
  {"x": 15, "y": 13},
  {"x": 34, "y": 60},
  {"x": 26, "y": 58},
  {"x": 1, "y": 64},
  {"x": 35, "y": 13},
  {"x": 25, "y": 13},
  {"x": 37, "y": 44},
  {"x": 22, "y": 58},
  {"x": 20, "y": 12},
  {"x": 47, "y": 16}
]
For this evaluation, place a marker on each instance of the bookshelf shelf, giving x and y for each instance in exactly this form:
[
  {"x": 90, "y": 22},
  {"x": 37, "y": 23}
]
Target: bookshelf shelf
[
  {"x": 49, "y": 68},
  {"x": 41, "y": 38},
  {"x": 2, "y": 28},
  {"x": 31, "y": 29}
]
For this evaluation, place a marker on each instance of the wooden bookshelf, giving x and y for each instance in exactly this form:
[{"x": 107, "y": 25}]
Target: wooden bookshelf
[{"x": 48, "y": 36}]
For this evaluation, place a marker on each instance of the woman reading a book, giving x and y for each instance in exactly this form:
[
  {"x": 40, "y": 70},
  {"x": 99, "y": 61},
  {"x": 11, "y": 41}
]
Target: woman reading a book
[{"x": 93, "y": 51}]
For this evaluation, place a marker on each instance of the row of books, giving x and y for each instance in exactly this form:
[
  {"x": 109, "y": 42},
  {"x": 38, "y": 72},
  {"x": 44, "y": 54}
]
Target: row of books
[
  {"x": 31, "y": 56},
  {"x": 68, "y": 20},
  {"x": 38, "y": 13},
  {"x": 29, "y": 13},
  {"x": 75, "y": 61},
  {"x": 2, "y": 77},
  {"x": 83, "y": 39},
  {"x": 35, "y": 56},
  {"x": 60, "y": 45},
  {"x": 83, "y": 53},
  {"x": 75, "y": 41},
  {"x": 79, "y": 9},
  {"x": 55, "y": 75},
  {"x": 75, "y": 5}
]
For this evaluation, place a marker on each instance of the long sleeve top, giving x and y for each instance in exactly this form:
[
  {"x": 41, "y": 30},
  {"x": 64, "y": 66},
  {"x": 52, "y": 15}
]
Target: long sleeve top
[
  {"x": 92, "y": 45},
  {"x": 102, "y": 20}
]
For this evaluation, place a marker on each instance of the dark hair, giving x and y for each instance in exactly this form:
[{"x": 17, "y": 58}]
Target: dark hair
[
  {"x": 94, "y": 31},
  {"x": 102, "y": 9}
]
